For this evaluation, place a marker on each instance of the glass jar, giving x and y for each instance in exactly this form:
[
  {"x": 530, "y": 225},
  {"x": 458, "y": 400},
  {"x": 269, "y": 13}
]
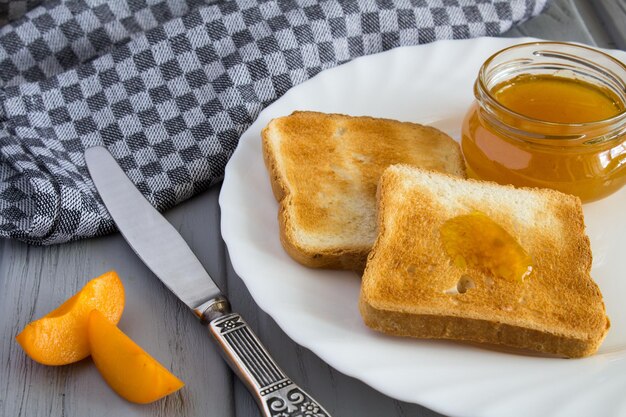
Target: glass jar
[{"x": 586, "y": 158}]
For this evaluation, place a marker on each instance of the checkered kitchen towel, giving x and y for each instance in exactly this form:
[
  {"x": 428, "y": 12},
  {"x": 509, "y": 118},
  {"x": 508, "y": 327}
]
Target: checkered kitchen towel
[{"x": 168, "y": 86}]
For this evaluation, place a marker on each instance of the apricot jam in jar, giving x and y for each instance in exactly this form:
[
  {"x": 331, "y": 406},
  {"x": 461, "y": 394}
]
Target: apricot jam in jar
[{"x": 549, "y": 114}]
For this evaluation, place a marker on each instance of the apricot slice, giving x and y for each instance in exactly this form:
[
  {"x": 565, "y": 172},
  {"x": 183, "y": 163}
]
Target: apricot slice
[
  {"x": 60, "y": 337},
  {"x": 129, "y": 370}
]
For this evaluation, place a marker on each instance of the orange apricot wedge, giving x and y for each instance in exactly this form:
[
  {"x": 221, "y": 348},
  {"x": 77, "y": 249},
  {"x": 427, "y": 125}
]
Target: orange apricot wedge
[
  {"x": 60, "y": 337},
  {"x": 129, "y": 370}
]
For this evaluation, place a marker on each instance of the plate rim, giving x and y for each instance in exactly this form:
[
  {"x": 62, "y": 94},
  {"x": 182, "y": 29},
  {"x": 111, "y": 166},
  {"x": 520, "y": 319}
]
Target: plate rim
[{"x": 263, "y": 304}]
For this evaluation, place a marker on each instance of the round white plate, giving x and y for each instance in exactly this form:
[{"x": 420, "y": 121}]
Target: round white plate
[{"x": 429, "y": 84}]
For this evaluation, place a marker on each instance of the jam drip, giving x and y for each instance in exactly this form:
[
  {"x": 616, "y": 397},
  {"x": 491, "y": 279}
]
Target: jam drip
[{"x": 475, "y": 241}]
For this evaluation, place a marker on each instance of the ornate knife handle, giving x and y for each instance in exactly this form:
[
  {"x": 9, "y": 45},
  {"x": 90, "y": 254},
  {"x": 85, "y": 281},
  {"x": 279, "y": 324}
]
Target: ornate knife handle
[{"x": 275, "y": 393}]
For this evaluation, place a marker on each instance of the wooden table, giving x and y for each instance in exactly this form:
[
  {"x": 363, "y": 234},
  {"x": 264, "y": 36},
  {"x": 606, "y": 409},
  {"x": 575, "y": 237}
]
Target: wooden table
[{"x": 34, "y": 280}]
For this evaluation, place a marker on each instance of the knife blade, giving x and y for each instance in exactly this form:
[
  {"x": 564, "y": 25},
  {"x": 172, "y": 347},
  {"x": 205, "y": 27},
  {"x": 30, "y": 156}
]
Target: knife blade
[
  {"x": 148, "y": 233},
  {"x": 165, "y": 252}
]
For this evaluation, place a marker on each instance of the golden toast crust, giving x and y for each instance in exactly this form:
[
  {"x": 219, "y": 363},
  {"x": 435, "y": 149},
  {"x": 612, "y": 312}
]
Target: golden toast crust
[
  {"x": 324, "y": 170},
  {"x": 427, "y": 326},
  {"x": 407, "y": 281}
]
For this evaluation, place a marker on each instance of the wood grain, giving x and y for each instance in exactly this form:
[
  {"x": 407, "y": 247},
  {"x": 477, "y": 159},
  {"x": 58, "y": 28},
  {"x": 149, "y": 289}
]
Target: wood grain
[
  {"x": 612, "y": 13},
  {"x": 566, "y": 20},
  {"x": 34, "y": 280}
]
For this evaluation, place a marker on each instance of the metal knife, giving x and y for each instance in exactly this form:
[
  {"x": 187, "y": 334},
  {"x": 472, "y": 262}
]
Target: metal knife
[{"x": 166, "y": 253}]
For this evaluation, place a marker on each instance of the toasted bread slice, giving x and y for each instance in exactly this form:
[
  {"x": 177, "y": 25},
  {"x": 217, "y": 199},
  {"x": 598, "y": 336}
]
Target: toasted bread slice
[
  {"x": 324, "y": 170},
  {"x": 408, "y": 284}
]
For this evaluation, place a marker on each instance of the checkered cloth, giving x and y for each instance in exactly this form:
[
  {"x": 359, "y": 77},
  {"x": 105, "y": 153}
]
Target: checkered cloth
[{"x": 168, "y": 86}]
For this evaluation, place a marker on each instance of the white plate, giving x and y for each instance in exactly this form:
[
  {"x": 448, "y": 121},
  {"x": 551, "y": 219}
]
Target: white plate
[{"x": 429, "y": 84}]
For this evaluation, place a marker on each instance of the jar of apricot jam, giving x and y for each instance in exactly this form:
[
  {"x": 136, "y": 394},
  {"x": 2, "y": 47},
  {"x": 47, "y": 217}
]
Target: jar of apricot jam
[{"x": 549, "y": 114}]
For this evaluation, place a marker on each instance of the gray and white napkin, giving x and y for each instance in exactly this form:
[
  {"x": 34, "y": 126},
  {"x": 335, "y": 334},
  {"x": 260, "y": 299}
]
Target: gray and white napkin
[{"x": 168, "y": 86}]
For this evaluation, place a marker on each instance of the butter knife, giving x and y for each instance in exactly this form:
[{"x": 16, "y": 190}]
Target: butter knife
[{"x": 164, "y": 251}]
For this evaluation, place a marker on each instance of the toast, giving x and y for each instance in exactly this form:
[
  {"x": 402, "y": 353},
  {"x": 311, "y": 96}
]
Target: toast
[
  {"x": 412, "y": 287},
  {"x": 324, "y": 170}
]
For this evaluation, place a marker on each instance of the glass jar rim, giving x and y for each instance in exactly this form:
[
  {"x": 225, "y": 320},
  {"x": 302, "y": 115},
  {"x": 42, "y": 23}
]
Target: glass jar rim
[{"x": 480, "y": 83}]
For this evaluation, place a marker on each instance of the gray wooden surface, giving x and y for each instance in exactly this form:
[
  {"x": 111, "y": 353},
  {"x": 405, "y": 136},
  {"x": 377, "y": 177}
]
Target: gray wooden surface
[{"x": 34, "y": 280}]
